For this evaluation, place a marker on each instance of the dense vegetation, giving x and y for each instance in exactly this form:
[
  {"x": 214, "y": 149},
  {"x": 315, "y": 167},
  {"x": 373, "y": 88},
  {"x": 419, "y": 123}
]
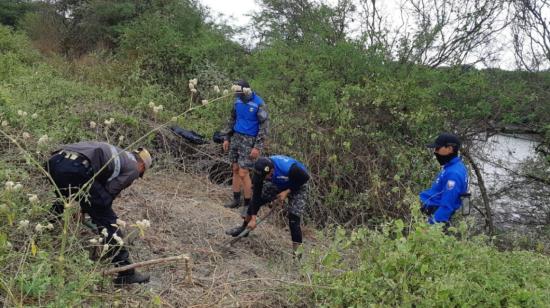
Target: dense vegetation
[{"x": 354, "y": 114}]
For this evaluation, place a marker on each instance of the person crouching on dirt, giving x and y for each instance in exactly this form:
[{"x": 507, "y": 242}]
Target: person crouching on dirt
[
  {"x": 73, "y": 167},
  {"x": 442, "y": 200},
  {"x": 278, "y": 177},
  {"x": 244, "y": 139}
]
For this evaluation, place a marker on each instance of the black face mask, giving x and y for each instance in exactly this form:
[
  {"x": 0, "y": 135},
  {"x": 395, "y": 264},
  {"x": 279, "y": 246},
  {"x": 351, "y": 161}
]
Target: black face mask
[
  {"x": 245, "y": 98},
  {"x": 444, "y": 159}
]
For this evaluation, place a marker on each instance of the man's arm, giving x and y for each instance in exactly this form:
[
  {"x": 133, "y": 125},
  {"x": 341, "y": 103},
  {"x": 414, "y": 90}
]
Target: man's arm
[
  {"x": 263, "y": 118},
  {"x": 257, "y": 186}
]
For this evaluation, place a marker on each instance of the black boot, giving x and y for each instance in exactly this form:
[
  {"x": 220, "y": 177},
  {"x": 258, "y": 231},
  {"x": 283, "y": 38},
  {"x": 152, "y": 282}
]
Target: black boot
[
  {"x": 129, "y": 277},
  {"x": 122, "y": 258},
  {"x": 234, "y": 232},
  {"x": 235, "y": 203}
]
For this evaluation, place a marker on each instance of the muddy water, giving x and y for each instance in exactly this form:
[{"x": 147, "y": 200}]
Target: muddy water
[{"x": 517, "y": 202}]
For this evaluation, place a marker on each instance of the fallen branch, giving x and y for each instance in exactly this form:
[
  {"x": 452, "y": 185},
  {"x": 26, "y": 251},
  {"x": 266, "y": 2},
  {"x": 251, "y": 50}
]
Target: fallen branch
[{"x": 153, "y": 262}]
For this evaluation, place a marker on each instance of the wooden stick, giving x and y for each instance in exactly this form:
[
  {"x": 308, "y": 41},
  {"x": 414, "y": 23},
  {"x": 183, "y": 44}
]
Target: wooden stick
[{"x": 150, "y": 262}]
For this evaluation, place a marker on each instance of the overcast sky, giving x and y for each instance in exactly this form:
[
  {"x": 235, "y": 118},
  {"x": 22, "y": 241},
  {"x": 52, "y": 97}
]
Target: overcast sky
[{"x": 236, "y": 13}]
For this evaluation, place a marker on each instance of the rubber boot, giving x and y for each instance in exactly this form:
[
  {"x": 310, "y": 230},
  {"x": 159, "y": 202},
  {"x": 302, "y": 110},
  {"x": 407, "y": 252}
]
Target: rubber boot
[
  {"x": 129, "y": 277},
  {"x": 234, "y": 232},
  {"x": 244, "y": 210},
  {"x": 235, "y": 203},
  {"x": 122, "y": 258}
]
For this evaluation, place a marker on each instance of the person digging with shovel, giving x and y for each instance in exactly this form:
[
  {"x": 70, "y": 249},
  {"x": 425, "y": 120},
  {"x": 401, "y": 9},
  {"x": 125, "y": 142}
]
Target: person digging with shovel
[{"x": 279, "y": 178}]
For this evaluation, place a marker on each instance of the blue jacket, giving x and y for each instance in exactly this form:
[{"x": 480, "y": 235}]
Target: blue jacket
[
  {"x": 247, "y": 121},
  {"x": 281, "y": 170},
  {"x": 445, "y": 192}
]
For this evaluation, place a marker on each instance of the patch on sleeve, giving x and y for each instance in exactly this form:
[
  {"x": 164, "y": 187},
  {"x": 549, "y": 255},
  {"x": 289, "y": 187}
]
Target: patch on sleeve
[{"x": 451, "y": 184}]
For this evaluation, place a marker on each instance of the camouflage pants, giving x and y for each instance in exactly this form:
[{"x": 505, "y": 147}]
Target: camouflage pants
[
  {"x": 297, "y": 200},
  {"x": 239, "y": 150}
]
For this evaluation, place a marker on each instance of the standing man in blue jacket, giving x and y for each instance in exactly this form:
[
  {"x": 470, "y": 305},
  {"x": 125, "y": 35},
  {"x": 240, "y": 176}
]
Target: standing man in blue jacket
[
  {"x": 442, "y": 200},
  {"x": 245, "y": 135},
  {"x": 278, "y": 177}
]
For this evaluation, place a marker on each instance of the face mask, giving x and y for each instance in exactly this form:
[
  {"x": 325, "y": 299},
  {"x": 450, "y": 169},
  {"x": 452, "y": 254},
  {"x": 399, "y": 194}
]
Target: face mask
[{"x": 444, "y": 159}]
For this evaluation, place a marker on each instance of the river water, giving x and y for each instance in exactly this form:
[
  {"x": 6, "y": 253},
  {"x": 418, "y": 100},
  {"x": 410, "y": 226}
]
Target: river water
[{"x": 518, "y": 203}]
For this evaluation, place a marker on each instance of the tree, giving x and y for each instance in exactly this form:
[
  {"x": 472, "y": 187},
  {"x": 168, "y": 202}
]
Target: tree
[
  {"x": 303, "y": 20},
  {"x": 531, "y": 34},
  {"x": 12, "y": 11}
]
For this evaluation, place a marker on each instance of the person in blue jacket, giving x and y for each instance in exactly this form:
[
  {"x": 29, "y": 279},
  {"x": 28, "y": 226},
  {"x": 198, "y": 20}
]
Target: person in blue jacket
[
  {"x": 278, "y": 177},
  {"x": 244, "y": 139},
  {"x": 442, "y": 200}
]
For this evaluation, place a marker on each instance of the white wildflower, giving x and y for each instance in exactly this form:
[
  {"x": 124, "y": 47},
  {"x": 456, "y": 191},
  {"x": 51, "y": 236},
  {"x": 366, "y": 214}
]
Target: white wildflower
[
  {"x": 236, "y": 88},
  {"x": 118, "y": 239},
  {"x": 247, "y": 91},
  {"x": 93, "y": 241},
  {"x": 191, "y": 87},
  {"x": 104, "y": 232},
  {"x": 204, "y": 102},
  {"x": 158, "y": 108},
  {"x": 23, "y": 223},
  {"x": 120, "y": 138},
  {"x": 151, "y": 104},
  {"x": 143, "y": 223},
  {"x": 9, "y": 185},
  {"x": 43, "y": 140},
  {"x": 193, "y": 91},
  {"x": 34, "y": 116},
  {"x": 26, "y": 135},
  {"x": 174, "y": 119},
  {"x": 194, "y": 81},
  {"x": 38, "y": 228},
  {"x": 8, "y": 245},
  {"x": 105, "y": 248},
  {"x": 17, "y": 186},
  {"x": 107, "y": 122},
  {"x": 225, "y": 92},
  {"x": 121, "y": 222},
  {"x": 216, "y": 89},
  {"x": 33, "y": 198},
  {"x": 5, "y": 123},
  {"x": 49, "y": 226},
  {"x": 93, "y": 124},
  {"x": 21, "y": 113}
]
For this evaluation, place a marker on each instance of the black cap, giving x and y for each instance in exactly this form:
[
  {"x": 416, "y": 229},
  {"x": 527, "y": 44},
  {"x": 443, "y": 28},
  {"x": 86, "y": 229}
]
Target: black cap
[
  {"x": 243, "y": 83},
  {"x": 263, "y": 165},
  {"x": 445, "y": 139}
]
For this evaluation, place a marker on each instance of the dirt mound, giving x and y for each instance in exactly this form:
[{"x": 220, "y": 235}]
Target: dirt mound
[{"x": 186, "y": 216}]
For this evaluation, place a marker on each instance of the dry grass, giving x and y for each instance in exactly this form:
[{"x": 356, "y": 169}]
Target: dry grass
[{"x": 187, "y": 216}]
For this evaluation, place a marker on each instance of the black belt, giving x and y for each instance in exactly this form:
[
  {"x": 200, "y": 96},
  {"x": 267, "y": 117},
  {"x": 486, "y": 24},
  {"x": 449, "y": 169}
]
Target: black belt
[{"x": 75, "y": 156}]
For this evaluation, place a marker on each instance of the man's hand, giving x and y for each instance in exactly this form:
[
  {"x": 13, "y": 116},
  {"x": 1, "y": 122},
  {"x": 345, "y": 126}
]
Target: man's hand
[
  {"x": 281, "y": 197},
  {"x": 255, "y": 153},
  {"x": 252, "y": 223},
  {"x": 226, "y": 145}
]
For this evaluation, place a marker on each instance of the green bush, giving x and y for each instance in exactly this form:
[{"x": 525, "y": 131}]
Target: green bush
[{"x": 425, "y": 268}]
